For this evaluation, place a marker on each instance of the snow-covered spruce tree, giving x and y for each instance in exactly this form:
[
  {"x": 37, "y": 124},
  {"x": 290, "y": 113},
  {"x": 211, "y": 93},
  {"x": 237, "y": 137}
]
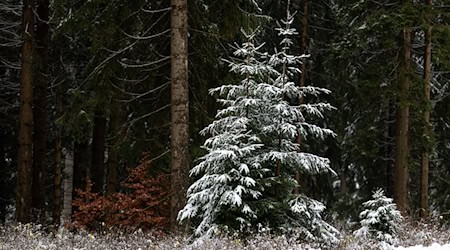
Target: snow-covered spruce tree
[
  {"x": 380, "y": 219},
  {"x": 246, "y": 178},
  {"x": 230, "y": 173}
]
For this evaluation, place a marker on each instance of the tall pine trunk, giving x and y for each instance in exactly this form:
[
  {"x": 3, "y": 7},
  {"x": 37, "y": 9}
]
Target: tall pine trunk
[
  {"x": 390, "y": 147},
  {"x": 425, "y": 167},
  {"x": 40, "y": 81},
  {"x": 58, "y": 157},
  {"x": 180, "y": 110},
  {"x": 24, "y": 168},
  {"x": 301, "y": 83},
  {"x": 98, "y": 152},
  {"x": 113, "y": 156},
  {"x": 58, "y": 17},
  {"x": 402, "y": 125}
]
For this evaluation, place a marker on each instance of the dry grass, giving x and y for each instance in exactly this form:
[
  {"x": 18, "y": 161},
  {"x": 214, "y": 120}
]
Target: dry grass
[{"x": 35, "y": 237}]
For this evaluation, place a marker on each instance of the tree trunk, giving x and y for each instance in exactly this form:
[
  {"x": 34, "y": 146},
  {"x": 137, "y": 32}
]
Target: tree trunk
[
  {"x": 98, "y": 152},
  {"x": 3, "y": 182},
  {"x": 113, "y": 158},
  {"x": 40, "y": 66},
  {"x": 68, "y": 185},
  {"x": 425, "y": 168},
  {"x": 304, "y": 44},
  {"x": 180, "y": 110},
  {"x": 402, "y": 125},
  {"x": 81, "y": 166},
  {"x": 343, "y": 187},
  {"x": 58, "y": 157},
  {"x": 301, "y": 83},
  {"x": 390, "y": 148},
  {"x": 24, "y": 168}
]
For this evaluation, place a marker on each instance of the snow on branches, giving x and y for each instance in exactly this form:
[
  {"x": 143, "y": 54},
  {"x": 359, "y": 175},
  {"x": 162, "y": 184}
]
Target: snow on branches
[
  {"x": 380, "y": 219},
  {"x": 245, "y": 180}
]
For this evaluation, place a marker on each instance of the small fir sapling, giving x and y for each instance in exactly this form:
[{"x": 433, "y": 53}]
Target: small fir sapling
[{"x": 380, "y": 219}]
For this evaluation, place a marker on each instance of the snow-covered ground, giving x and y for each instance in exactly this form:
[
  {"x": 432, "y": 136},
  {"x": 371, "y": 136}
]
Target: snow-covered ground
[
  {"x": 413, "y": 236},
  {"x": 434, "y": 246}
]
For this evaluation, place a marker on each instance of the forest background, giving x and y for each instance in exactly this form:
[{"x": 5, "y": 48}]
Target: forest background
[{"x": 92, "y": 99}]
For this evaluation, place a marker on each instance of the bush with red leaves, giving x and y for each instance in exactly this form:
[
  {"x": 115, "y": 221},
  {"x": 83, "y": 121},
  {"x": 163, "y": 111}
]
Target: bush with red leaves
[{"x": 145, "y": 204}]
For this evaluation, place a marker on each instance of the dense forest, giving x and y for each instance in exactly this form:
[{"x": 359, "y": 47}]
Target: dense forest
[{"x": 208, "y": 115}]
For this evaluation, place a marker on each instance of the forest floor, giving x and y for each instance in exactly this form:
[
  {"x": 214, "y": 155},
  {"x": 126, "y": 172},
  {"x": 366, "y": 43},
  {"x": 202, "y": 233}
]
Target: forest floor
[{"x": 413, "y": 236}]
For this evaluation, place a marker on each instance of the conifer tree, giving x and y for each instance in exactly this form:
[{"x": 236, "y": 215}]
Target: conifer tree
[
  {"x": 380, "y": 219},
  {"x": 246, "y": 178},
  {"x": 230, "y": 182}
]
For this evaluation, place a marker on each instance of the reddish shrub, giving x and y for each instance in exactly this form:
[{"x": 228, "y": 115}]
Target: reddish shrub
[{"x": 143, "y": 204}]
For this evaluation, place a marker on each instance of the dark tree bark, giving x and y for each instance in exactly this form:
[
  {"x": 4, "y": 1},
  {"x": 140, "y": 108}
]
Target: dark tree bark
[
  {"x": 402, "y": 125},
  {"x": 58, "y": 157},
  {"x": 3, "y": 182},
  {"x": 40, "y": 82},
  {"x": 24, "y": 168},
  {"x": 180, "y": 110},
  {"x": 98, "y": 152},
  {"x": 58, "y": 17},
  {"x": 80, "y": 166},
  {"x": 390, "y": 148},
  {"x": 68, "y": 185},
  {"x": 425, "y": 166},
  {"x": 113, "y": 157}
]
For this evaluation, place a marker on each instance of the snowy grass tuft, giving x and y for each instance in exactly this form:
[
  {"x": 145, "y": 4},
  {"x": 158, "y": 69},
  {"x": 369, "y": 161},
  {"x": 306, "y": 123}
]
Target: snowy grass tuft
[{"x": 412, "y": 235}]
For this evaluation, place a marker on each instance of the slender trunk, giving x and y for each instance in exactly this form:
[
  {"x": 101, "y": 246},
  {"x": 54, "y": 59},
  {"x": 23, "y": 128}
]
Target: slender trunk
[
  {"x": 343, "y": 188},
  {"x": 24, "y": 168},
  {"x": 68, "y": 186},
  {"x": 40, "y": 64},
  {"x": 390, "y": 149},
  {"x": 3, "y": 182},
  {"x": 425, "y": 168},
  {"x": 385, "y": 149},
  {"x": 402, "y": 125},
  {"x": 98, "y": 153},
  {"x": 301, "y": 83},
  {"x": 81, "y": 166},
  {"x": 304, "y": 44},
  {"x": 58, "y": 157},
  {"x": 113, "y": 158},
  {"x": 58, "y": 17},
  {"x": 180, "y": 110}
]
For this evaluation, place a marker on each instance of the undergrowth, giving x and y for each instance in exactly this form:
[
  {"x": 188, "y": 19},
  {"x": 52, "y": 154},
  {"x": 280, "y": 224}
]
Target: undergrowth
[
  {"x": 143, "y": 203},
  {"x": 17, "y": 236}
]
